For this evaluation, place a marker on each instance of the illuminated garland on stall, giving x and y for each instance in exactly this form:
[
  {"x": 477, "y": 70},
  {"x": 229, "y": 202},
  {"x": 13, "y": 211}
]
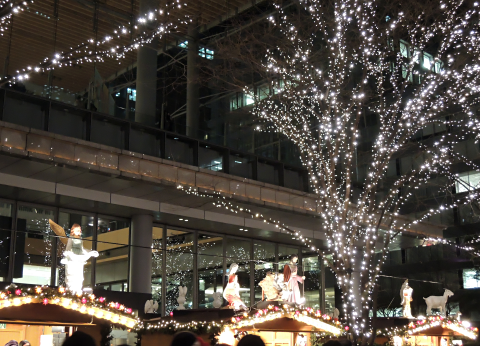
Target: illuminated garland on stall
[
  {"x": 82, "y": 302},
  {"x": 422, "y": 326},
  {"x": 308, "y": 316},
  {"x": 172, "y": 327}
]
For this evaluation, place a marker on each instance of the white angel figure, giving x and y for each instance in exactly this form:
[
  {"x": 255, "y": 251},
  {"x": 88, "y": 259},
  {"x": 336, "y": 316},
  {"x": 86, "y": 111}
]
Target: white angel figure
[
  {"x": 74, "y": 257},
  {"x": 406, "y": 295},
  {"x": 151, "y": 306},
  {"x": 182, "y": 292}
]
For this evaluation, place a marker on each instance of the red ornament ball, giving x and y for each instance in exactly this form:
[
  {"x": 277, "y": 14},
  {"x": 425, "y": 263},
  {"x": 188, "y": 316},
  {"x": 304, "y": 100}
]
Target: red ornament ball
[
  {"x": 101, "y": 299},
  {"x": 347, "y": 328},
  {"x": 18, "y": 292},
  {"x": 84, "y": 300},
  {"x": 45, "y": 301}
]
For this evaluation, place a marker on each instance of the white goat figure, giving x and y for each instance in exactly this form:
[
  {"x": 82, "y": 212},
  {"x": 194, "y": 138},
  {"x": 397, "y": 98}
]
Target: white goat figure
[{"x": 438, "y": 302}]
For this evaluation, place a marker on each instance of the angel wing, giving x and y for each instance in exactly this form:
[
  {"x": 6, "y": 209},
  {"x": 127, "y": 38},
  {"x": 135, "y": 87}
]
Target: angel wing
[
  {"x": 59, "y": 231},
  {"x": 401, "y": 291}
]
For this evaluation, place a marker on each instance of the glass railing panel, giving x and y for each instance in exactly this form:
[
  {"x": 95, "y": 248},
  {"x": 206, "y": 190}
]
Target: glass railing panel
[
  {"x": 210, "y": 158},
  {"x": 144, "y": 142},
  {"x": 107, "y": 132},
  {"x": 29, "y": 112},
  {"x": 73, "y": 121},
  {"x": 241, "y": 166},
  {"x": 267, "y": 173},
  {"x": 179, "y": 149},
  {"x": 67, "y": 121},
  {"x": 294, "y": 179}
]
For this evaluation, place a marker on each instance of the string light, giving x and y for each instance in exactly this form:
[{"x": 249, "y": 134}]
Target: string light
[
  {"x": 322, "y": 91},
  {"x": 15, "y": 7},
  {"x": 92, "y": 51},
  {"x": 84, "y": 303},
  {"x": 422, "y": 326},
  {"x": 308, "y": 316}
]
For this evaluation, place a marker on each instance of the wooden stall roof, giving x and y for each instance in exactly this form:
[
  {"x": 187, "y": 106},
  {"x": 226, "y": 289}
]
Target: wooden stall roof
[
  {"x": 282, "y": 324},
  {"x": 51, "y": 315},
  {"x": 36, "y": 33},
  {"x": 438, "y": 331}
]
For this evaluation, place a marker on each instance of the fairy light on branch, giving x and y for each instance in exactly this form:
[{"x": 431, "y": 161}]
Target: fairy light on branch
[
  {"x": 113, "y": 49},
  {"x": 7, "y": 9},
  {"x": 322, "y": 94}
]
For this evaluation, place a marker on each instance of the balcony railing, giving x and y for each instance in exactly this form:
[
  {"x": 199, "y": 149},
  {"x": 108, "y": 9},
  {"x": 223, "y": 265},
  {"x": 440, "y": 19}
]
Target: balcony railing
[{"x": 60, "y": 118}]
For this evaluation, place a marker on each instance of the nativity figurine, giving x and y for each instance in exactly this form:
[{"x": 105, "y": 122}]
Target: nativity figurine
[
  {"x": 231, "y": 291},
  {"x": 291, "y": 278},
  {"x": 74, "y": 257}
]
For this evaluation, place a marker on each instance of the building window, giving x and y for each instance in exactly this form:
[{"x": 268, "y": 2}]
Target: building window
[
  {"x": 33, "y": 259},
  {"x": 111, "y": 268},
  {"x": 249, "y": 100},
  {"x": 210, "y": 269},
  {"x": 467, "y": 181},
  {"x": 206, "y": 53},
  {"x": 428, "y": 61},
  {"x": 5, "y": 236},
  {"x": 404, "y": 49},
  {"x": 263, "y": 91},
  {"x": 179, "y": 267},
  {"x": 471, "y": 278},
  {"x": 312, "y": 272},
  {"x": 264, "y": 256},
  {"x": 238, "y": 251},
  {"x": 132, "y": 94},
  {"x": 202, "y": 51},
  {"x": 157, "y": 267}
]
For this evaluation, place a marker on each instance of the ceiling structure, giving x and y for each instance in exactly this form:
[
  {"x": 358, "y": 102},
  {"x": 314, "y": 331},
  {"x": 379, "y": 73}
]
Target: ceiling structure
[{"x": 37, "y": 33}]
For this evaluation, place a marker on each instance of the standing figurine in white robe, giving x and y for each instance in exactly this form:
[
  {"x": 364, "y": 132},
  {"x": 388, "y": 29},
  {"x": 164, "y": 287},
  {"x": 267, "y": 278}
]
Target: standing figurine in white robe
[
  {"x": 406, "y": 295},
  {"x": 74, "y": 257}
]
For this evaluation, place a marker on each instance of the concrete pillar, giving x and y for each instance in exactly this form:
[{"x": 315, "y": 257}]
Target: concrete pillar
[
  {"x": 140, "y": 276},
  {"x": 193, "y": 102},
  {"x": 146, "y": 84}
]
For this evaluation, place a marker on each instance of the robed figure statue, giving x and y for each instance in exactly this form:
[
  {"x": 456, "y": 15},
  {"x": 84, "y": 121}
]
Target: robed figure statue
[
  {"x": 74, "y": 257},
  {"x": 231, "y": 291},
  {"x": 406, "y": 295},
  {"x": 291, "y": 278}
]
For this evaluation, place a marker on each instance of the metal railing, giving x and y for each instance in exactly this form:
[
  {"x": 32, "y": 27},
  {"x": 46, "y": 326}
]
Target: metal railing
[{"x": 64, "y": 119}]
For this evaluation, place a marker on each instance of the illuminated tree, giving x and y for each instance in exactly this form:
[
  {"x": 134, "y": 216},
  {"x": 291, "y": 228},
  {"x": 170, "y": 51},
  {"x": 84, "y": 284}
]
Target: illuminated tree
[{"x": 332, "y": 65}]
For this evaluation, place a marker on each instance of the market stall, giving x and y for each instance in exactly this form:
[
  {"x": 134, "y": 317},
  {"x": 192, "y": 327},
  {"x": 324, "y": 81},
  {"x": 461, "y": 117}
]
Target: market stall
[
  {"x": 277, "y": 325},
  {"x": 435, "y": 331},
  {"x": 45, "y": 315}
]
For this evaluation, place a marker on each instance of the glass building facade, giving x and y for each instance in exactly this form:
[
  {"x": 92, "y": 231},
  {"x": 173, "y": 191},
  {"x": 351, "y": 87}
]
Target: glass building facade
[{"x": 31, "y": 254}]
